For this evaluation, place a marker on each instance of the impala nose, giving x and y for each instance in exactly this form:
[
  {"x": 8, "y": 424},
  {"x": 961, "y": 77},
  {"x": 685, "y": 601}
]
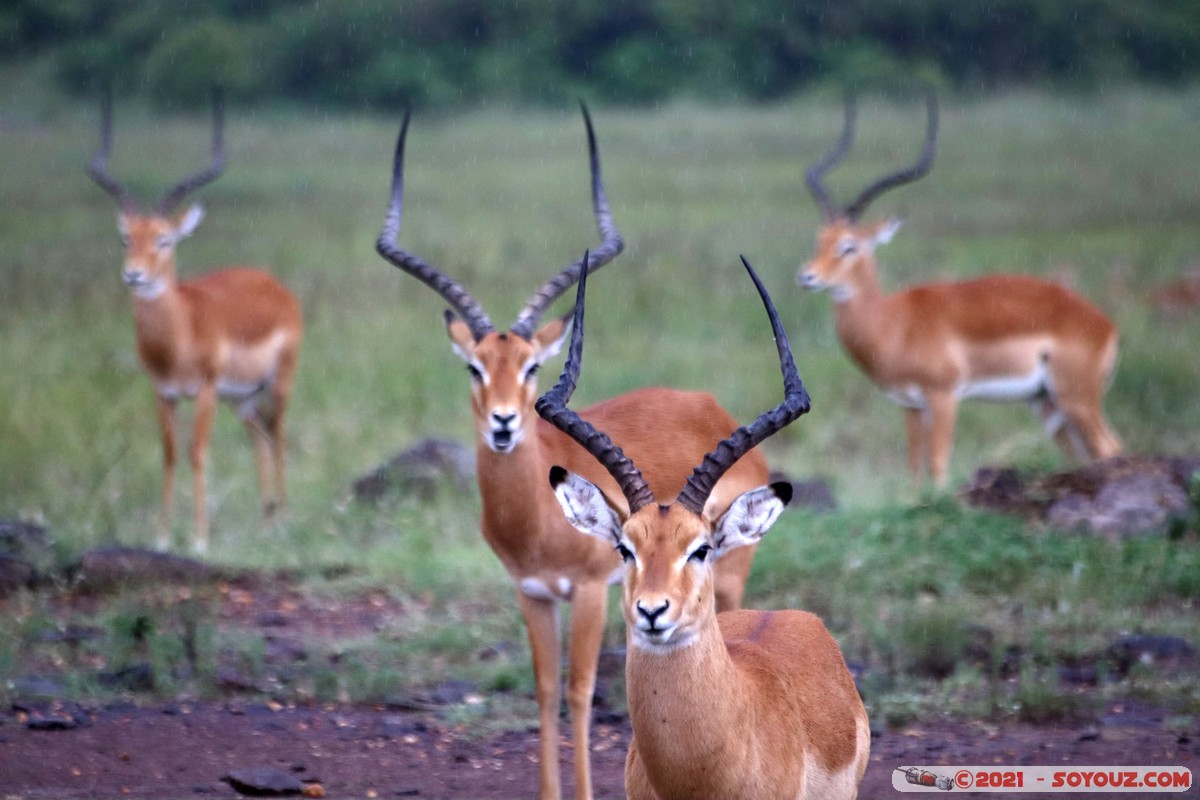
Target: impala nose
[
  {"x": 807, "y": 278},
  {"x": 651, "y": 614}
]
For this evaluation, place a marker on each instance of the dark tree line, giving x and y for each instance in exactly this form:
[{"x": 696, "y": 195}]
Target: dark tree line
[{"x": 379, "y": 53}]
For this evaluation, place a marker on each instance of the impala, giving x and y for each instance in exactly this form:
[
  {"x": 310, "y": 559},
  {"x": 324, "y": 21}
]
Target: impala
[
  {"x": 738, "y": 705},
  {"x": 233, "y": 334},
  {"x": 1003, "y": 337},
  {"x": 520, "y": 519}
]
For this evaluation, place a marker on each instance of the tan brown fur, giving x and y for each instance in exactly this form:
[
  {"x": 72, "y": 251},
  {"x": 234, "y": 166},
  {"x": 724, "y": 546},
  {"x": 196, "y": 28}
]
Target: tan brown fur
[
  {"x": 665, "y": 430},
  {"x": 934, "y": 341},
  {"x": 231, "y": 334}
]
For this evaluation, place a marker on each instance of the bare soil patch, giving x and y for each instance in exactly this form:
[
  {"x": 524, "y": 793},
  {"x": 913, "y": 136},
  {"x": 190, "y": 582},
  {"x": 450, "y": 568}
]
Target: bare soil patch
[{"x": 186, "y": 749}]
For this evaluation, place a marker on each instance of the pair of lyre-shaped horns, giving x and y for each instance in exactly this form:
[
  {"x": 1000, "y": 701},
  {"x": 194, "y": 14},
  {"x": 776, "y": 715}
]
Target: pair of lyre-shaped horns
[
  {"x": 98, "y": 169},
  {"x": 552, "y": 405}
]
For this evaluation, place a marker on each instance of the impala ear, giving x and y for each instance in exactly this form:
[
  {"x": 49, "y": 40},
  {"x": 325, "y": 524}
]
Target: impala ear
[
  {"x": 461, "y": 338},
  {"x": 585, "y": 506},
  {"x": 750, "y": 516},
  {"x": 189, "y": 221},
  {"x": 550, "y": 337},
  {"x": 886, "y": 230}
]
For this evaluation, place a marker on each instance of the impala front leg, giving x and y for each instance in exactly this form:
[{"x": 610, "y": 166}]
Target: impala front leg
[
  {"x": 943, "y": 413},
  {"x": 541, "y": 623},
  {"x": 166, "y": 422},
  {"x": 206, "y": 407},
  {"x": 587, "y": 631}
]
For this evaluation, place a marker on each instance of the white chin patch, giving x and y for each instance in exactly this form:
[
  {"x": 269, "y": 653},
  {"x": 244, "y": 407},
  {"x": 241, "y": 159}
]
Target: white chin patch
[
  {"x": 662, "y": 642},
  {"x": 149, "y": 290},
  {"x": 841, "y": 294}
]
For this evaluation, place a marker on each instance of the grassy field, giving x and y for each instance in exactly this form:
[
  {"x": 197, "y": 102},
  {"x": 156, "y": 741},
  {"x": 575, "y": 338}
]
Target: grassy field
[{"x": 1092, "y": 190}]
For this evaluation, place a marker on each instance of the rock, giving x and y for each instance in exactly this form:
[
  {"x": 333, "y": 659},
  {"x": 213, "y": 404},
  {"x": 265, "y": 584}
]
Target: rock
[
  {"x": 1119, "y": 497},
  {"x": 1128, "y": 504},
  {"x": 24, "y": 546},
  {"x": 137, "y": 677},
  {"x": 15, "y": 574},
  {"x": 453, "y": 692},
  {"x": 264, "y": 781},
  {"x": 36, "y": 687},
  {"x": 419, "y": 471},
  {"x": 59, "y": 715},
  {"x": 1163, "y": 653},
  {"x": 22, "y": 537},
  {"x": 110, "y": 567},
  {"x": 499, "y": 650}
]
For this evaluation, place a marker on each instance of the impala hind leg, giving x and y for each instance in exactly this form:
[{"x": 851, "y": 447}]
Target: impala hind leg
[
  {"x": 1059, "y": 427},
  {"x": 916, "y": 429},
  {"x": 587, "y": 630},
  {"x": 281, "y": 392},
  {"x": 260, "y": 437},
  {"x": 166, "y": 423},
  {"x": 541, "y": 623},
  {"x": 1092, "y": 436}
]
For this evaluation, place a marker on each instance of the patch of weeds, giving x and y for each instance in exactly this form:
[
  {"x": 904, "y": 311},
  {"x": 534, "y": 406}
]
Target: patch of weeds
[
  {"x": 932, "y": 639},
  {"x": 903, "y": 707},
  {"x": 1040, "y": 698},
  {"x": 495, "y": 714}
]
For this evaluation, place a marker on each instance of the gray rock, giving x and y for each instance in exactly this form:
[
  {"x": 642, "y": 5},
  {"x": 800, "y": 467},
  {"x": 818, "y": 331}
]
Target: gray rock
[
  {"x": 419, "y": 470},
  {"x": 264, "y": 781}
]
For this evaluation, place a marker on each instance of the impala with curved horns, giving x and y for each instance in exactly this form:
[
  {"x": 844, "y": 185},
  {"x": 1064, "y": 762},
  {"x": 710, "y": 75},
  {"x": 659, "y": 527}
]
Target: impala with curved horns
[
  {"x": 232, "y": 334},
  {"x": 1002, "y": 337},
  {"x": 738, "y": 705},
  {"x": 520, "y": 519}
]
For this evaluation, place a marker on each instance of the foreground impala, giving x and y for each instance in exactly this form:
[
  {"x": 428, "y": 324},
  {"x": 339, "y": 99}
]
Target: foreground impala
[
  {"x": 233, "y": 334},
  {"x": 1004, "y": 337},
  {"x": 739, "y": 705},
  {"x": 521, "y": 520}
]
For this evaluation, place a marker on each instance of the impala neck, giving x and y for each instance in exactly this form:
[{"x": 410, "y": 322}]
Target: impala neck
[
  {"x": 509, "y": 483},
  {"x": 858, "y": 310},
  {"x": 158, "y": 308},
  {"x": 696, "y": 689}
]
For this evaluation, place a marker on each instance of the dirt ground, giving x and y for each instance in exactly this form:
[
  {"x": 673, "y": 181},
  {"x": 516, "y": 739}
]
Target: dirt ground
[
  {"x": 60, "y": 749},
  {"x": 187, "y": 749}
]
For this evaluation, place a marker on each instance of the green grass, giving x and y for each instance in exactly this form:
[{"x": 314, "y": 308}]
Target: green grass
[{"x": 1092, "y": 190}]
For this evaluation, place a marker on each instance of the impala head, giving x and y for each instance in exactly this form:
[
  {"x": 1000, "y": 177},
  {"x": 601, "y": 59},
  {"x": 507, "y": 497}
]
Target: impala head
[
  {"x": 150, "y": 239},
  {"x": 503, "y": 369},
  {"x": 669, "y": 550},
  {"x": 846, "y": 247},
  {"x": 503, "y": 365}
]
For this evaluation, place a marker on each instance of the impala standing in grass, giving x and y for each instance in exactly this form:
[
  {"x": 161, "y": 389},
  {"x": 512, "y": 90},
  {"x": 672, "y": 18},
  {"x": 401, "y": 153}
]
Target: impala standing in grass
[
  {"x": 232, "y": 334},
  {"x": 1003, "y": 337},
  {"x": 521, "y": 520},
  {"x": 742, "y": 705}
]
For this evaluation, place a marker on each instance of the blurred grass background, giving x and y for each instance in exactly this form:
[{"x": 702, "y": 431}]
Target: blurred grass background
[{"x": 1095, "y": 190}]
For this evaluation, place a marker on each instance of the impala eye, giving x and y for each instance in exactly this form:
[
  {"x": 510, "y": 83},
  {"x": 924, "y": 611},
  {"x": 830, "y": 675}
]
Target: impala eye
[
  {"x": 700, "y": 554},
  {"x": 532, "y": 371},
  {"x": 162, "y": 242},
  {"x": 474, "y": 371},
  {"x": 846, "y": 249},
  {"x": 624, "y": 552}
]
